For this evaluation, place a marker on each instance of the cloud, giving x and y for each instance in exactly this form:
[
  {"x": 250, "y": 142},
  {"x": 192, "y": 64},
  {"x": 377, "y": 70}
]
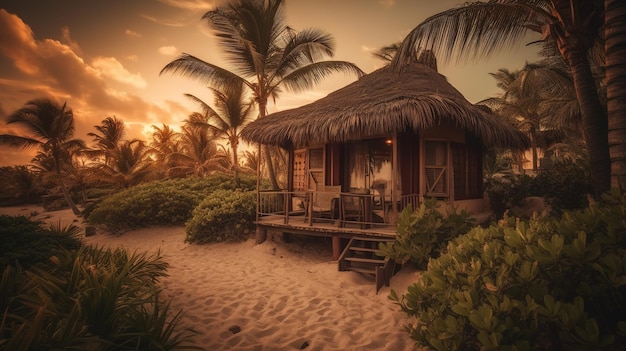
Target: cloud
[
  {"x": 50, "y": 69},
  {"x": 132, "y": 33},
  {"x": 387, "y": 3},
  {"x": 166, "y": 21},
  {"x": 111, "y": 68},
  {"x": 191, "y": 4},
  {"x": 168, "y": 50},
  {"x": 133, "y": 58},
  {"x": 67, "y": 39}
]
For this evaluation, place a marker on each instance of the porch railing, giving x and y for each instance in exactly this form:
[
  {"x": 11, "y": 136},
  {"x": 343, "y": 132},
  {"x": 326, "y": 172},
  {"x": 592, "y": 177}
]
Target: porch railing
[{"x": 342, "y": 209}]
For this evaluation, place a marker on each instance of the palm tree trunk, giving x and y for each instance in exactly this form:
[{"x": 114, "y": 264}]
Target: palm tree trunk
[
  {"x": 267, "y": 152},
  {"x": 594, "y": 120},
  {"x": 68, "y": 197},
  {"x": 533, "y": 145},
  {"x": 615, "y": 56},
  {"x": 66, "y": 193},
  {"x": 234, "y": 146}
]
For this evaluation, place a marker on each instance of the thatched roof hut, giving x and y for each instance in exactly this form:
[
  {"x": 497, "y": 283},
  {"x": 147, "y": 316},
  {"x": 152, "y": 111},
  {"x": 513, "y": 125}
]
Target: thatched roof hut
[{"x": 383, "y": 102}]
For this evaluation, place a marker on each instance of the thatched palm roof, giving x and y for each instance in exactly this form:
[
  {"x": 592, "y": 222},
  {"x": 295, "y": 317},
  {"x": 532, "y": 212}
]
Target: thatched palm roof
[{"x": 380, "y": 103}]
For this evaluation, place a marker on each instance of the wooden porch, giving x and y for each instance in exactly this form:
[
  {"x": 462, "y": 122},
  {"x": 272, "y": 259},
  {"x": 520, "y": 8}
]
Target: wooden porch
[{"x": 332, "y": 214}]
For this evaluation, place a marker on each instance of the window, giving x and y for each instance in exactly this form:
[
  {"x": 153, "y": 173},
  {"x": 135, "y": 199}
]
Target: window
[
  {"x": 316, "y": 167},
  {"x": 436, "y": 168}
]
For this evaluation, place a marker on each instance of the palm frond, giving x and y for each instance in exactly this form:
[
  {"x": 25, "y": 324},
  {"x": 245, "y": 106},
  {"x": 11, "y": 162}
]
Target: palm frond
[
  {"x": 474, "y": 30},
  {"x": 206, "y": 73},
  {"x": 308, "y": 76}
]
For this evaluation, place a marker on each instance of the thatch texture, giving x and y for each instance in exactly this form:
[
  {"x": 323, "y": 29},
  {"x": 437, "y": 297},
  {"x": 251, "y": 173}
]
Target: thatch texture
[{"x": 380, "y": 103}]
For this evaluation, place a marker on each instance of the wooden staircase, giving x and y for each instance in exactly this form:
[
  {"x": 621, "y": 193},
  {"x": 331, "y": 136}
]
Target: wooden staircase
[{"x": 360, "y": 256}]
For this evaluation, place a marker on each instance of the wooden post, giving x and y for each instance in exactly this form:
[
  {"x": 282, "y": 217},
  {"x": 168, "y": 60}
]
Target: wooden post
[
  {"x": 336, "y": 247},
  {"x": 261, "y": 235}
]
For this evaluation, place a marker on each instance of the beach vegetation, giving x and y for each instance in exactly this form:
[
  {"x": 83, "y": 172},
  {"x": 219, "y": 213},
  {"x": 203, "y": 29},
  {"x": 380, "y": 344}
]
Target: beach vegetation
[
  {"x": 29, "y": 244},
  {"x": 91, "y": 299},
  {"x": 226, "y": 215},
  {"x": 424, "y": 232},
  {"x": 565, "y": 186},
  {"x": 51, "y": 128},
  {"x": 546, "y": 283},
  {"x": 164, "y": 202}
]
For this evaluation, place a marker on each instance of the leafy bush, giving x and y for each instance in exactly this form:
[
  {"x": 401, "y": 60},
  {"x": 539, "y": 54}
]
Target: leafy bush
[
  {"x": 544, "y": 284},
  {"x": 565, "y": 186},
  {"x": 168, "y": 202},
  {"x": 423, "y": 233},
  {"x": 94, "y": 299},
  {"x": 30, "y": 243},
  {"x": 144, "y": 206},
  {"x": 224, "y": 216}
]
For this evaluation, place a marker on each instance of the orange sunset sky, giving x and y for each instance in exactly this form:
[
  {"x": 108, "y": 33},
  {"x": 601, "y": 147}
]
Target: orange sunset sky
[{"x": 104, "y": 57}]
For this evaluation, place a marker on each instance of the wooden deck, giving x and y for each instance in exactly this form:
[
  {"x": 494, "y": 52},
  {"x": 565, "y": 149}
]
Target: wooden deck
[{"x": 329, "y": 228}]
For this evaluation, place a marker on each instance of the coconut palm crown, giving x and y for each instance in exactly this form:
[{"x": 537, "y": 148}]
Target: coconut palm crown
[{"x": 264, "y": 53}]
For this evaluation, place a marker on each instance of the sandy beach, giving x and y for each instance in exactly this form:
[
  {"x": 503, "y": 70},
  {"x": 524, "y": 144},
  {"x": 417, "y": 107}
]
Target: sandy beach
[{"x": 271, "y": 296}]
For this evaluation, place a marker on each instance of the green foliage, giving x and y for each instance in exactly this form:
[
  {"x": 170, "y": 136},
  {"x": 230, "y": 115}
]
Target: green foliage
[
  {"x": 552, "y": 283},
  {"x": 566, "y": 186},
  {"x": 94, "y": 299},
  {"x": 423, "y": 233},
  {"x": 31, "y": 243},
  {"x": 224, "y": 216},
  {"x": 168, "y": 202},
  {"x": 19, "y": 185},
  {"x": 143, "y": 206}
]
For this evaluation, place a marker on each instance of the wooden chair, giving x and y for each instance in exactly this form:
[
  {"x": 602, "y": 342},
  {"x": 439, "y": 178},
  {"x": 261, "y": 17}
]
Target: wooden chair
[
  {"x": 356, "y": 208},
  {"x": 324, "y": 203}
]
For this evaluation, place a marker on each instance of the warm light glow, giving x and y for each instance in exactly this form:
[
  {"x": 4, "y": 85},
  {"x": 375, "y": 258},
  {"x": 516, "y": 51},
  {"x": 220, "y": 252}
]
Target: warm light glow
[{"x": 388, "y": 141}]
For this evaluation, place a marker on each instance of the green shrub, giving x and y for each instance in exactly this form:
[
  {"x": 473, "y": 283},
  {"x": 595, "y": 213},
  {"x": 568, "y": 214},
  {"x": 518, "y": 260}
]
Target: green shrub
[
  {"x": 144, "y": 206},
  {"x": 33, "y": 243},
  {"x": 92, "y": 300},
  {"x": 226, "y": 215},
  {"x": 423, "y": 233},
  {"x": 544, "y": 284},
  {"x": 168, "y": 202},
  {"x": 566, "y": 186}
]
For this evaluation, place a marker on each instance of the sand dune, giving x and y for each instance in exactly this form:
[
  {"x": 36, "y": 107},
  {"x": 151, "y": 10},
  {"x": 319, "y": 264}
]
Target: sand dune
[{"x": 272, "y": 296}]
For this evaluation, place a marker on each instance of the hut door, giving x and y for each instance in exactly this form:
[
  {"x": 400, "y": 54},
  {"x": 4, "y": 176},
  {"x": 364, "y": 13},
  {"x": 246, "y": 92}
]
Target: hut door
[
  {"x": 368, "y": 166},
  {"x": 299, "y": 170}
]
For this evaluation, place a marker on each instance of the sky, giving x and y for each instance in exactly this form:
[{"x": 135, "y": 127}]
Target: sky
[{"x": 103, "y": 58}]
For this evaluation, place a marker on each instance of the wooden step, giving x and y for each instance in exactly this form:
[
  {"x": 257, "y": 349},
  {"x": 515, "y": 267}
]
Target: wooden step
[
  {"x": 363, "y": 249},
  {"x": 374, "y": 238},
  {"x": 359, "y": 256},
  {"x": 363, "y": 270},
  {"x": 365, "y": 260}
]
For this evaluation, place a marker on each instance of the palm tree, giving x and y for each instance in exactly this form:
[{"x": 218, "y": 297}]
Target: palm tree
[
  {"x": 198, "y": 154},
  {"x": 129, "y": 164},
  {"x": 52, "y": 127},
  {"x": 615, "y": 51},
  {"x": 111, "y": 134},
  {"x": 267, "y": 55},
  {"x": 477, "y": 29},
  {"x": 19, "y": 183},
  {"x": 233, "y": 111},
  {"x": 536, "y": 99},
  {"x": 165, "y": 142}
]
